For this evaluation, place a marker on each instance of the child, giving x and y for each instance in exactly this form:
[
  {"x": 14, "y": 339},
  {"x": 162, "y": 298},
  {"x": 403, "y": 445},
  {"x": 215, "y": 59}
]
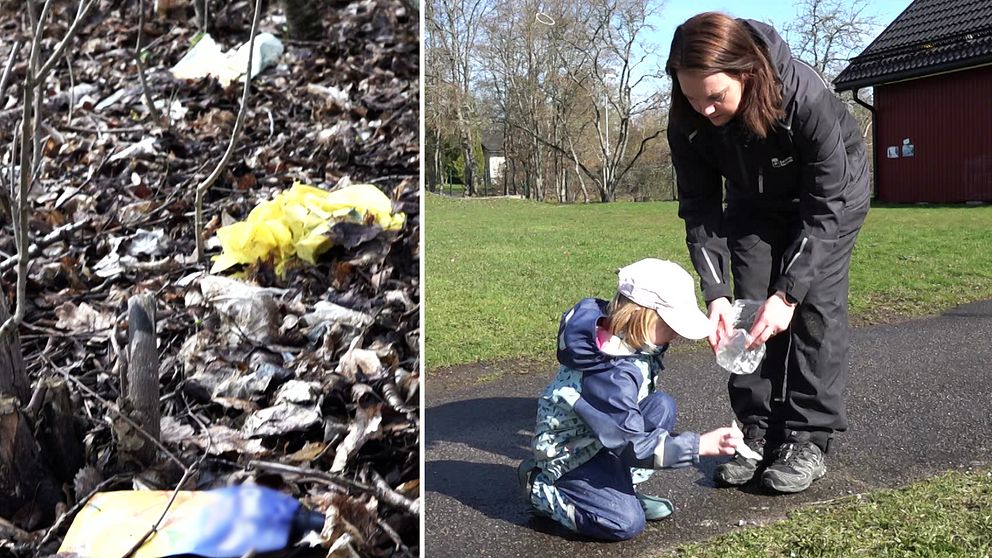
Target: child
[{"x": 600, "y": 423}]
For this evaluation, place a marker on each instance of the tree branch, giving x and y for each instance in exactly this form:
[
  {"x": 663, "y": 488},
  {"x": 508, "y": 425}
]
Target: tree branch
[{"x": 202, "y": 189}]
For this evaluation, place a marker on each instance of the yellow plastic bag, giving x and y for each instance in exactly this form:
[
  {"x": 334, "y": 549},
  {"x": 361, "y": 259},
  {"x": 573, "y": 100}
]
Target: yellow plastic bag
[{"x": 295, "y": 224}]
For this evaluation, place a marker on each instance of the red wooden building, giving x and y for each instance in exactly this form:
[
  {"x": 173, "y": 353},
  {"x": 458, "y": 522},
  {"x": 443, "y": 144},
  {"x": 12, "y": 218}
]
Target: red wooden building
[{"x": 931, "y": 70}]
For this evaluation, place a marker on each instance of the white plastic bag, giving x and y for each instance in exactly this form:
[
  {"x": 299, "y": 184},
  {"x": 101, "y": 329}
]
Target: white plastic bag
[{"x": 731, "y": 353}]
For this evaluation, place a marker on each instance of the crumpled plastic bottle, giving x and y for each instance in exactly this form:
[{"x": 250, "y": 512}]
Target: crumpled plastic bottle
[{"x": 731, "y": 353}]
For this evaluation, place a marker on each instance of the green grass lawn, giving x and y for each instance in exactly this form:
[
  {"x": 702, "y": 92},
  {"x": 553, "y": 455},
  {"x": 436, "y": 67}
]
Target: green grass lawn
[
  {"x": 499, "y": 273},
  {"x": 947, "y": 516}
]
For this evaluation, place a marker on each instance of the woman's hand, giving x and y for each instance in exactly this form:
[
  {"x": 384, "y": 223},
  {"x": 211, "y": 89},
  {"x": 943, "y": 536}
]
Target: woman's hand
[
  {"x": 722, "y": 441},
  {"x": 772, "y": 318},
  {"x": 722, "y": 318}
]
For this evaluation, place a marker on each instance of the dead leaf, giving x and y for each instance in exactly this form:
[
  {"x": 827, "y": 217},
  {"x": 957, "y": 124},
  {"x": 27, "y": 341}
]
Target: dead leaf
[
  {"x": 279, "y": 419},
  {"x": 83, "y": 319}
]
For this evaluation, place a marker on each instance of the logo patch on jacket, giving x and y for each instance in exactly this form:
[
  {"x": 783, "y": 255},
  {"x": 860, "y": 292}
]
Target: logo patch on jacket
[{"x": 779, "y": 163}]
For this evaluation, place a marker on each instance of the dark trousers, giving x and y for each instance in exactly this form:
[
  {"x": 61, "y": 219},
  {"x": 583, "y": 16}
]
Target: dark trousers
[
  {"x": 798, "y": 388},
  {"x": 601, "y": 489}
]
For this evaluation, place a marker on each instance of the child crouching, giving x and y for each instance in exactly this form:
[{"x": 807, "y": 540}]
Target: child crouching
[{"x": 601, "y": 426}]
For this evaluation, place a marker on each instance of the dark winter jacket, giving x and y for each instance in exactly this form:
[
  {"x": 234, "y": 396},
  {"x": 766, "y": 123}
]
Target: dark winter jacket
[
  {"x": 812, "y": 164},
  {"x": 593, "y": 403}
]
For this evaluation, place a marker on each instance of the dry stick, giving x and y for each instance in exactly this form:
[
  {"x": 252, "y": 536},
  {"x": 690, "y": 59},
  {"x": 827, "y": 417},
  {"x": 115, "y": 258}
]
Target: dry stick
[
  {"x": 114, "y": 409},
  {"x": 7, "y": 69},
  {"x": 42, "y": 243},
  {"x": 384, "y": 493},
  {"x": 154, "y": 527},
  {"x": 142, "y": 369},
  {"x": 81, "y": 13},
  {"x": 201, "y": 190},
  {"x": 75, "y": 509},
  {"x": 162, "y": 122},
  {"x": 29, "y": 133},
  {"x": 19, "y": 203},
  {"x": 182, "y": 481}
]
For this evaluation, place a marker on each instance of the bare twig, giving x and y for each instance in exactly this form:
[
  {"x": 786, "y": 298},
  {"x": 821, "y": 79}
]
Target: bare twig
[
  {"x": 202, "y": 189},
  {"x": 55, "y": 528},
  {"x": 114, "y": 409},
  {"x": 45, "y": 241},
  {"x": 182, "y": 481},
  {"x": 7, "y": 68},
  {"x": 154, "y": 527},
  {"x": 19, "y": 203},
  {"x": 383, "y": 492},
  {"x": 152, "y": 109},
  {"x": 81, "y": 13}
]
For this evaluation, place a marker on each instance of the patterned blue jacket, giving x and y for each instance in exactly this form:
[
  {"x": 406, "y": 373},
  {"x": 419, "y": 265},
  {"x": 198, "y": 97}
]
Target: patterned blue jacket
[{"x": 593, "y": 403}]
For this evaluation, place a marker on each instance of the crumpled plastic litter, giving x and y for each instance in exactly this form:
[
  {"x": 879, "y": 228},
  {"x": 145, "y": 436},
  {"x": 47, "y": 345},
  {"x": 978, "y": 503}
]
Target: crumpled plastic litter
[
  {"x": 248, "y": 310},
  {"x": 222, "y": 523},
  {"x": 731, "y": 353},
  {"x": 742, "y": 448},
  {"x": 207, "y": 58},
  {"x": 296, "y": 224}
]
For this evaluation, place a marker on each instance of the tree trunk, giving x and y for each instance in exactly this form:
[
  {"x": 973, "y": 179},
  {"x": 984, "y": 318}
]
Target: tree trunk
[
  {"x": 303, "y": 19},
  {"x": 13, "y": 377},
  {"x": 59, "y": 431},
  {"x": 469, "y": 162},
  {"x": 29, "y": 493}
]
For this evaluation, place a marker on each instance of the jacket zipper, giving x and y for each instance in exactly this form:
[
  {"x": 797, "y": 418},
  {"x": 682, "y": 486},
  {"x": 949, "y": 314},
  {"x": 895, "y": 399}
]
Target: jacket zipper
[{"x": 761, "y": 181}]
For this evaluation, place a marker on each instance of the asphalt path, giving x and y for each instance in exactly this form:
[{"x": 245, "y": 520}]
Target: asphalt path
[{"x": 919, "y": 403}]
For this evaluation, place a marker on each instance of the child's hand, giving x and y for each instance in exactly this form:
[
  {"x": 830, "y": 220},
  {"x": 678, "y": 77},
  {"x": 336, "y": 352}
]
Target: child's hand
[{"x": 722, "y": 441}]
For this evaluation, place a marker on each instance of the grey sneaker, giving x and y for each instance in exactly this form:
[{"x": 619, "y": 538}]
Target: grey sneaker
[
  {"x": 796, "y": 466},
  {"x": 739, "y": 470}
]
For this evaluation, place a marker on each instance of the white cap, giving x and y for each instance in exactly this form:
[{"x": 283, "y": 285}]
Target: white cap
[{"x": 669, "y": 290}]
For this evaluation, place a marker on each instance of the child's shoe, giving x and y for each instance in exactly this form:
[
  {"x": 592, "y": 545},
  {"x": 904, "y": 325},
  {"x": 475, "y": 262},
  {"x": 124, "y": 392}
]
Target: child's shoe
[
  {"x": 740, "y": 470},
  {"x": 655, "y": 508},
  {"x": 797, "y": 464},
  {"x": 525, "y": 477}
]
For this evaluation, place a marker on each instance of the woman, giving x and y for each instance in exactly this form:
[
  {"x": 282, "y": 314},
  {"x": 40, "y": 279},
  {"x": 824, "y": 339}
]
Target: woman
[{"x": 744, "y": 110}]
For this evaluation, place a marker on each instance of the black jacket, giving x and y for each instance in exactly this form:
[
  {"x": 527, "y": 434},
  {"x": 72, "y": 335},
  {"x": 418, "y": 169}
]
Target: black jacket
[{"x": 812, "y": 164}]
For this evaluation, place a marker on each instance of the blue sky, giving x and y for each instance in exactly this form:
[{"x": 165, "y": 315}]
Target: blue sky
[{"x": 777, "y": 12}]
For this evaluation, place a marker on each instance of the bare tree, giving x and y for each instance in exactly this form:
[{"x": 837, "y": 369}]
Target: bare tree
[
  {"x": 574, "y": 76},
  {"x": 454, "y": 28},
  {"x": 827, "y": 33}
]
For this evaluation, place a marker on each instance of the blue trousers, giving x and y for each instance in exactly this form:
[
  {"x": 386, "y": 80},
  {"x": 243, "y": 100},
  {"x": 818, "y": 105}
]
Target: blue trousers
[{"x": 601, "y": 489}]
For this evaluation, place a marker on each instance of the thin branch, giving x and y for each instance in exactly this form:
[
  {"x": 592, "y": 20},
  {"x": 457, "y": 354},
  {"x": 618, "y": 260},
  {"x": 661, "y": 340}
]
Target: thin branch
[
  {"x": 114, "y": 409},
  {"x": 152, "y": 109},
  {"x": 384, "y": 493},
  {"x": 50, "y": 238},
  {"x": 75, "y": 509},
  {"x": 7, "y": 68},
  {"x": 154, "y": 527},
  {"x": 57, "y": 54},
  {"x": 202, "y": 189}
]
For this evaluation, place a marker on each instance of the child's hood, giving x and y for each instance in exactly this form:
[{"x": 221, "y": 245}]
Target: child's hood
[{"x": 577, "y": 347}]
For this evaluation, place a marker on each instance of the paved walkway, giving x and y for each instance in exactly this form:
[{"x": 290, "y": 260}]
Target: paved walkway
[{"x": 919, "y": 402}]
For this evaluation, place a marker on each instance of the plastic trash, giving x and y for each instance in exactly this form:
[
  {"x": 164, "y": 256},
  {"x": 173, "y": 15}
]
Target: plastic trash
[
  {"x": 207, "y": 58},
  {"x": 731, "y": 353},
  {"x": 743, "y": 449},
  {"x": 222, "y": 523},
  {"x": 298, "y": 222}
]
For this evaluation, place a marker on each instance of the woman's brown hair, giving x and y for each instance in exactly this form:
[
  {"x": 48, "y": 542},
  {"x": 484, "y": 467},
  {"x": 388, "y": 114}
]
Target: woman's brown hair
[{"x": 713, "y": 42}]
